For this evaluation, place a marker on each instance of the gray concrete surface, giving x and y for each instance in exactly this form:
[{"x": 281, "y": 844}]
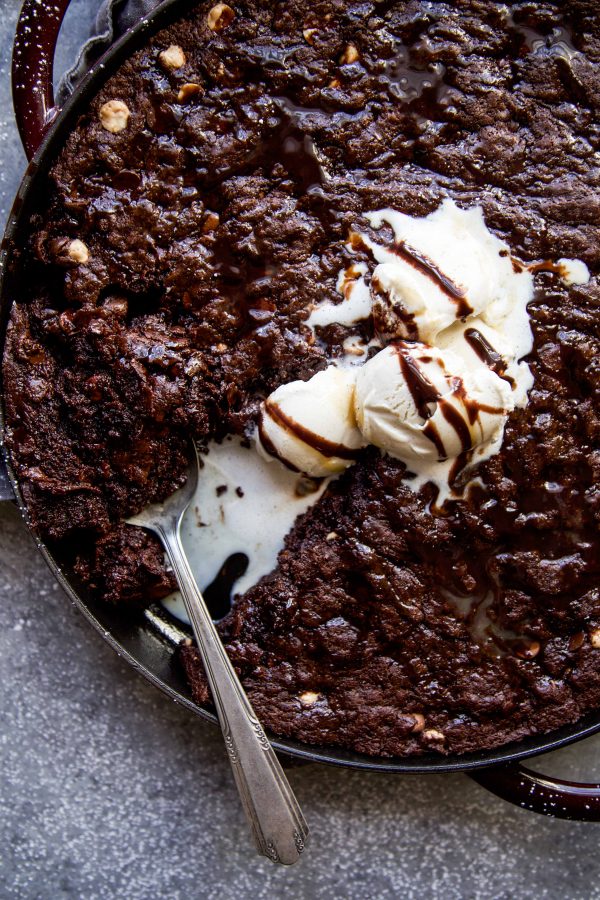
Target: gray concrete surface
[{"x": 108, "y": 790}]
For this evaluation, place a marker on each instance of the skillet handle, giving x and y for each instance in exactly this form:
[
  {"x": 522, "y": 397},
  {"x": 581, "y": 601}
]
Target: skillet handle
[
  {"x": 32, "y": 69},
  {"x": 541, "y": 793}
]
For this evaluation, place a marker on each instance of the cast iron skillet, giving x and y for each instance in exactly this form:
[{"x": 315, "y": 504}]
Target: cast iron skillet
[{"x": 147, "y": 642}]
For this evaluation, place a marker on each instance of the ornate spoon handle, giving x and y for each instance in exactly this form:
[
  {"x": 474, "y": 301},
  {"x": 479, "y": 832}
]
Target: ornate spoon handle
[{"x": 277, "y": 823}]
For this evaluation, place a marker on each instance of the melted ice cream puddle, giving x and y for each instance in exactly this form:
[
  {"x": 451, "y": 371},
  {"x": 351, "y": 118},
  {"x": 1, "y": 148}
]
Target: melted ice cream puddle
[{"x": 252, "y": 516}]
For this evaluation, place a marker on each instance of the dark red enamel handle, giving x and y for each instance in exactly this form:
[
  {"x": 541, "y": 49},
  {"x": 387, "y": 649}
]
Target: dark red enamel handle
[
  {"x": 541, "y": 793},
  {"x": 32, "y": 68}
]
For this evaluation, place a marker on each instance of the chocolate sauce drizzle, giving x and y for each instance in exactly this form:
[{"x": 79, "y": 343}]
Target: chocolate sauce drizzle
[
  {"x": 425, "y": 395},
  {"x": 458, "y": 465},
  {"x": 487, "y": 353},
  {"x": 431, "y": 432},
  {"x": 326, "y": 448},
  {"x": 427, "y": 267},
  {"x": 456, "y": 420},
  {"x": 484, "y": 350},
  {"x": 474, "y": 407},
  {"x": 546, "y": 265},
  {"x": 427, "y": 398}
]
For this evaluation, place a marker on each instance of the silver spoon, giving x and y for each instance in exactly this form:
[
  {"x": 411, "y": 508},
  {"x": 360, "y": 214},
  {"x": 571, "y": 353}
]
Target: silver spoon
[{"x": 278, "y": 826}]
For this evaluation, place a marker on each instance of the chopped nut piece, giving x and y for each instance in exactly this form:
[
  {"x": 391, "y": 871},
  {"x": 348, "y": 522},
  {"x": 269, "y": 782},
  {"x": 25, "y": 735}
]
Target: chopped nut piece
[
  {"x": 335, "y": 83},
  {"x": 191, "y": 89},
  {"x": 78, "y": 252},
  {"x": 220, "y": 16},
  {"x": 576, "y": 641},
  {"x": 349, "y": 55},
  {"x": 419, "y": 722},
  {"x": 220, "y": 348},
  {"x": 432, "y": 735},
  {"x": 331, "y": 536},
  {"x": 528, "y": 649},
  {"x": 114, "y": 116},
  {"x": 308, "y": 34},
  {"x": 210, "y": 223},
  {"x": 355, "y": 350},
  {"x": 308, "y": 698},
  {"x": 595, "y": 637},
  {"x": 173, "y": 57}
]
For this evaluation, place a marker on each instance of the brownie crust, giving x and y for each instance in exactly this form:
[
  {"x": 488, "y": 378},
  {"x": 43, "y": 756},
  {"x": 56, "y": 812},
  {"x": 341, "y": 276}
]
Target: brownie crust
[{"x": 211, "y": 222}]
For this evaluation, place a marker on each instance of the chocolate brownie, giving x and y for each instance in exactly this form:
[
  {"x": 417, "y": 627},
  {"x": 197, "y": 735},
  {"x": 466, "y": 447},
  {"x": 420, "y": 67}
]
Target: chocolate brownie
[{"x": 198, "y": 209}]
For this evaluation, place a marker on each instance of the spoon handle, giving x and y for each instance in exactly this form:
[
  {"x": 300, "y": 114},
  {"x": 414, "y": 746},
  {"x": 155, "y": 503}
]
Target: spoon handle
[{"x": 274, "y": 815}]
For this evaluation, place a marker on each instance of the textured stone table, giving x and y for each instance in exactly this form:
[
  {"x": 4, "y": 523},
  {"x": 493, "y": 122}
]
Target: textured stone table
[{"x": 107, "y": 789}]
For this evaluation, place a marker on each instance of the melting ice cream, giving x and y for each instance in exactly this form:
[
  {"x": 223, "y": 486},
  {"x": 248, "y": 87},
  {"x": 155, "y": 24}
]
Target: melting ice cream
[
  {"x": 310, "y": 425},
  {"x": 449, "y": 306},
  {"x": 426, "y": 407}
]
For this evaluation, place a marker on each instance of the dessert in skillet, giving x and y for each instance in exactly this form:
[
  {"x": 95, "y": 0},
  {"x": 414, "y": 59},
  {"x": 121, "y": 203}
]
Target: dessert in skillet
[{"x": 360, "y": 243}]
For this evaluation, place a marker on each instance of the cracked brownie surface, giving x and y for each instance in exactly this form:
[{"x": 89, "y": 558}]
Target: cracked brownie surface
[{"x": 171, "y": 266}]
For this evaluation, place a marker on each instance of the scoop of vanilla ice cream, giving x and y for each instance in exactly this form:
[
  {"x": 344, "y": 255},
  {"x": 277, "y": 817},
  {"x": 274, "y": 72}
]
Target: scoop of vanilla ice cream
[
  {"x": 423, "y": 405},
  {"x": 310, "y": 425},
  {"x": 478, "y": 343},
  {"x": 443, "y": 267}
]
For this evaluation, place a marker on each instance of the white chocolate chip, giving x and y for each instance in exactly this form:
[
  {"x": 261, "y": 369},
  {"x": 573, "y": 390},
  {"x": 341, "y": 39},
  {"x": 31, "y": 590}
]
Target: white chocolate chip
[
  {"x": 331, "y": 536},
  {"x": 220, "y": 16},
  {"x": 173, "y": 57},
  {"x": 432, "y": 735},
  {"x": 595, "y": 637},
  {"x": 349, "y": 55},
  {"x": 78, "y": 252},
  {"x": 308, "y": 698},
  {"x": 114, "y": 116}
]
